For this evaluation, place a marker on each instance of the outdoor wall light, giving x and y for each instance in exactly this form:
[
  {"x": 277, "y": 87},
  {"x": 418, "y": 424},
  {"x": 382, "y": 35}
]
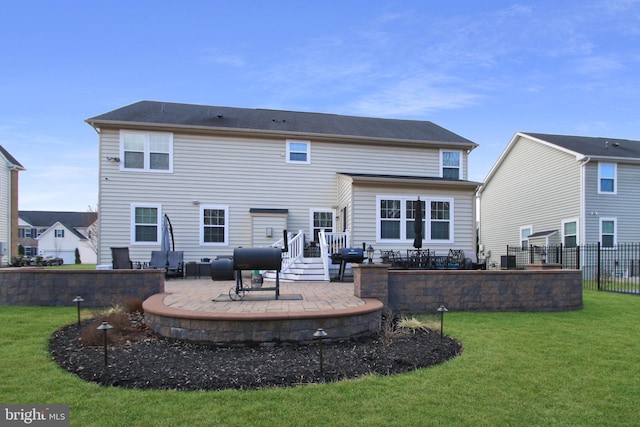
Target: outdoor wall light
[
  {"x": 78, "y": 300},
  {"x": 269, "y": 232},
  {"x": 370, "y": 253},
  {"x": 105, "y": 327},
  {"x": 320, "y": 334},
  {"x": 442, "y": 309}
]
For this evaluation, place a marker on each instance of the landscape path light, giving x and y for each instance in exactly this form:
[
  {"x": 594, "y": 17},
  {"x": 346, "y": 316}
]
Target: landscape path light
[
  {"x": 78, "y": 300},
  {"x": 442, "y": 309},
  {"x": 105, "y": 327},
  {"x": 320, "y": 334}
]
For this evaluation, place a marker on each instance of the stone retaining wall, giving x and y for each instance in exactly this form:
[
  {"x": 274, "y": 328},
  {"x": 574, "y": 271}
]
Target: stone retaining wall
[
  {"x": 423, "y": 291},
  {"x": 48, "y": 287}
]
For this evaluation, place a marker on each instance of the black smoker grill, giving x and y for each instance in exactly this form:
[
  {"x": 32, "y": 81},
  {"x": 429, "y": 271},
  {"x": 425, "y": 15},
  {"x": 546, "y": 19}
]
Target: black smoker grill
[
  {"x": 346, "y": 256},
  {"x": 255, "y": 259}
]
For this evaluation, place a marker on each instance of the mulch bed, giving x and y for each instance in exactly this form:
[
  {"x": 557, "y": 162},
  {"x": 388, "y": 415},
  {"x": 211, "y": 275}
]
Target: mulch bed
[{"x": 143, "y": 360}]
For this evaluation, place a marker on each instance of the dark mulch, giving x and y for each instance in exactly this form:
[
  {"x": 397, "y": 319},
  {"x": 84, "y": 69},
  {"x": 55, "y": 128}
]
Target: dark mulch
[{"x": 143, "y": 360}]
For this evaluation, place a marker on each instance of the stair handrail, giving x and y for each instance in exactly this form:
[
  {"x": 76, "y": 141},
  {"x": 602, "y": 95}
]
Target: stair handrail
[
  {"x": 296, "y": 250},
  {"x": 331, "y": 243}
]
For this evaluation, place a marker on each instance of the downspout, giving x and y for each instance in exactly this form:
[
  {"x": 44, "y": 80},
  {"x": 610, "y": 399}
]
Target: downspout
[{"x": 583, "y": 202}]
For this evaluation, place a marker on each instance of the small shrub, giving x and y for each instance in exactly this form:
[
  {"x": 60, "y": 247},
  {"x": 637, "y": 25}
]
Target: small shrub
[
  {"x": 412, "y": 324},
  {"x": 389, "y": 327},
  {"x": 133, "y": 305}
]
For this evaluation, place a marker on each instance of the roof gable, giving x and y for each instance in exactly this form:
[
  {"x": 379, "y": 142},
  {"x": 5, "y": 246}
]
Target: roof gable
[
  {"x": 277, "y": 121},
  {"x": 13, "y": 163},
  {"x": 57, "y": 225}
]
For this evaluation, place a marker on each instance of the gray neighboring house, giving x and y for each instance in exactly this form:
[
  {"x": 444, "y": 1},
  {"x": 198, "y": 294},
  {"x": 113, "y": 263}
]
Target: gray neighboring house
[
  {"x": 59, "y": 234},
  {"x": 229, "y": 177},
  {"x": 550, "y": 189}
]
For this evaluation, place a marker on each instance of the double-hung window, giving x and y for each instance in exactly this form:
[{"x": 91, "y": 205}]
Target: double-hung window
[
  {"x": 214, "y": 225},
  {"x": 145, "y": 224},
  {"x": 525, "y": 232},
  {"x": 570, "y": 233},
  {"x": 58, "y": 232},
  {"x": 608, "y": 232},
  {"x": 298, "y": 152},
  {"x": 146, "y": 151},
  {"x": 607, "y": 174},
  {"x": 396, "y": 216},
  {"x": 450, "y": 164}
]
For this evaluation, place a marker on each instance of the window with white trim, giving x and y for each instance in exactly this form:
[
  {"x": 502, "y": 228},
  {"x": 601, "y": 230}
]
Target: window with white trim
[
  {"x": 298, "y": 151},
  {"x": 525, "y": 232},
  {"x": 146, "y": 151},
  {"x": 450, "y": 164},
  {"x": 570, "y": 233},
  {"x": 58, "y": 233},
  {"x": 214, "y": 225},
  {"x": 322, "y": 219},
  {"x": 607, "y": 178},
  {"x": 396, "y": 216},
  {"x": 608, "y": 232},
  {"x": 145, "y": 224}
]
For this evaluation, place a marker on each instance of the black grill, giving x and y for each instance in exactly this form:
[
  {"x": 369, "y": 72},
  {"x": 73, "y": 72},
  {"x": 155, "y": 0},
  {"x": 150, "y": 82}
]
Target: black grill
[{"x": 345, "y": 256}]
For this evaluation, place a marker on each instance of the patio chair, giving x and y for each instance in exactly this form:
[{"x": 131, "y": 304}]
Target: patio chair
[
  {"x": 120, "y": 258},
  {"x": 175, "y": 264},
  {"x": 158, "y": 260}
]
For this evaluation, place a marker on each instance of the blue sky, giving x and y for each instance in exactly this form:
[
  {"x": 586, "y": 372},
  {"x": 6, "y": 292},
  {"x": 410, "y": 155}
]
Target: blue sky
[{"x": 482, "y": 69}]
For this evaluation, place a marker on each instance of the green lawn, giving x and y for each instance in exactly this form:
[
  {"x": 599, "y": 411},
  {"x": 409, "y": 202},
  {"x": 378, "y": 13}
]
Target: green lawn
[{"x": 576, "y": 369}]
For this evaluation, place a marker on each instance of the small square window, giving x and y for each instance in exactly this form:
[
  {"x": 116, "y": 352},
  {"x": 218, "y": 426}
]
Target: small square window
[{"x": 298, "y": 152}]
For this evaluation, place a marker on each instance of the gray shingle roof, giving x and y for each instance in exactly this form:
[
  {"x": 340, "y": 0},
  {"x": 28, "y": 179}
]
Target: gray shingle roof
[
  {"x": 215, "y": 117},
  {"x": 45, "y": 219},
  {"x": 10, "y": 158},
  {"x": 593, "y": 146}
]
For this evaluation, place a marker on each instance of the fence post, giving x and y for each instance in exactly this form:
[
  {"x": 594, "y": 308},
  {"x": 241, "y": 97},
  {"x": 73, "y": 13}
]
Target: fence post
[
  {"x": 598, "y": 268},
  {"x": 578, "y": 257}
]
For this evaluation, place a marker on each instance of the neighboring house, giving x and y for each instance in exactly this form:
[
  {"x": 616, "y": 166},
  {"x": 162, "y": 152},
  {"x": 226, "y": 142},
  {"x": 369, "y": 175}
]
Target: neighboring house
[
  {"x": 59, "y": 234},
  {"x": 229, "y": 177},
  {"x": 551, "y": 189},
  {"x": 9, "y": 169}
]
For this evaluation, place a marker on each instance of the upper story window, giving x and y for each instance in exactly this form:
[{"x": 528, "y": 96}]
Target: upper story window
[
  {"x": 214, "y": 225},
  {"x": 298, "y": 151},
  {"x": 58, "y": 233},
  {"x": 396, "y": 217},
  {"x": 608, "y": 232},
  {"x": 145, "y": 224},
  {"x": 525, "y": 232},
  {"x": 450, "y": 164},
  {"x": 607, "y": 177},
  {"x": 570, "y": 233},
  {"x": 146, "y": 151}
]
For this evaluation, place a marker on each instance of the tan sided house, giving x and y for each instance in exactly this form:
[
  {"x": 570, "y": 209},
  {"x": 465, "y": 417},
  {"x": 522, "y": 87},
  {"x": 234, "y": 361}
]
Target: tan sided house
[
  {"x": 229, "y": 177},
  {"x": 548, "y": 190}
]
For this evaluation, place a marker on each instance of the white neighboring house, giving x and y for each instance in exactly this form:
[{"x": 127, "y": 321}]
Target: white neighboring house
[
  {"x": 9, "y": 168},
  {"x": 61, "y": 241}
]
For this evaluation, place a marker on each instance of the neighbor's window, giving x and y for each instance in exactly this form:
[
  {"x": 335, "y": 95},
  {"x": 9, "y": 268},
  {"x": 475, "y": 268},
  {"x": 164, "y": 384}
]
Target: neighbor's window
[
  {"x": 570, "y": 233},
  {"x": 58, "y": 233},
  {"x": 146, "y": 152},
  {"x": 298, "y": 152},
  {"x": 607, "y": 178},
  {"x": 214, "y": 225},
  {"x": 451, "y": 163},
  {"x": 145, "y": 224},
  {"x": 608, "y": 232},
  {"x": 525, "y": 232},
  {"x": 396, "y": 217}
]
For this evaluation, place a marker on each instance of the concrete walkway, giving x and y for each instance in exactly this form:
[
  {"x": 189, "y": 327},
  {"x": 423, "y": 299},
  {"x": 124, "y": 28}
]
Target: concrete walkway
[{"x": 199, "y": 295}]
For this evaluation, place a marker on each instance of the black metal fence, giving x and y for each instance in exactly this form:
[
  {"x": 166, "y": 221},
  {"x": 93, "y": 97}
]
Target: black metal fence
[{"x": 614, "y": 268}]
